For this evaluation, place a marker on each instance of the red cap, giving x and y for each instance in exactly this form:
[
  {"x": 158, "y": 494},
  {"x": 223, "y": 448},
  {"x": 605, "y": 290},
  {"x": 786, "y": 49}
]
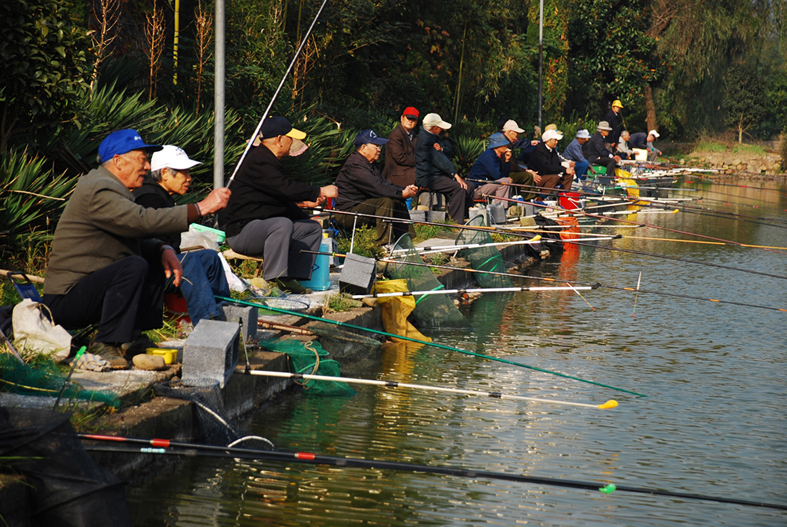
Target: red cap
[{"x": 410, "y": 112}]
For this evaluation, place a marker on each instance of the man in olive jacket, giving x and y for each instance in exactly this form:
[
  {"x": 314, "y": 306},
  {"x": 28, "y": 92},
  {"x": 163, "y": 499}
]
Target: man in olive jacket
[
  {"x": 400, "y": 150},
  {"x": 101, "y": 269}
]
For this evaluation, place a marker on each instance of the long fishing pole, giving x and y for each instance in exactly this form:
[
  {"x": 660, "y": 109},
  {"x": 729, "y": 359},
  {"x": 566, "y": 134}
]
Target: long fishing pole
[
  {"x": 166, "y": 447},
  {"x": 276, "y": 94},
  {"x": 757, "y": 220},
  {"x": 395, "y": 384},
  {"x": 433, "y": 344},
  {"x": 471, "y": 291},
  {"x": 717, "y": 182}
]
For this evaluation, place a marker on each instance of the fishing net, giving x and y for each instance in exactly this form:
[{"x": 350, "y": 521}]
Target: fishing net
[
  {"x": 310, "y": 358},
  {"x": 431, "y": 311},
  {"x": 45, "y": 379},
  {"x": 357, "y": 354},
  {"x": 68, "y": 488},
  {"x": 483, "y": 258}
]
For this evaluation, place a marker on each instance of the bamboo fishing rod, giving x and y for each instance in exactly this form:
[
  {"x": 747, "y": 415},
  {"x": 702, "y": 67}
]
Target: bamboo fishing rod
[
  {"x": 176, "y": 448},
  {"x": 433, "y": 344},
  {"x": 395, "y": 384}
]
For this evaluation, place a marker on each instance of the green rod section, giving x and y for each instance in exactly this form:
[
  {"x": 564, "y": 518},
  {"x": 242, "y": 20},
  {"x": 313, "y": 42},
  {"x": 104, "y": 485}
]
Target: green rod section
[{"x": 442, "y": 346}]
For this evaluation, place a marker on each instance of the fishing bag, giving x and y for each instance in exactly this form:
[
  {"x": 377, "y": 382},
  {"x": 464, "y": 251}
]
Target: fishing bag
[{"x": 34, "y": 330}]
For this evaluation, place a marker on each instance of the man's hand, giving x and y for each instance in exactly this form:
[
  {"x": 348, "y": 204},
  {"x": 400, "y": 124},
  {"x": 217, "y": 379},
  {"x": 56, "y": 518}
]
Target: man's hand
[
  {"x": 409, "y": 191},
  {"x": 171, "y": 264},
  {"x": 461, "y": 181},
  {"x": 328, "y": 191},
  {"x": 438, "y": 147},
  {"x": 507, "y": 156},
  {"x": 215, "y": 201},
  {"x": 570, "y": 170},
  {"x": 617, "y": 158},
  {"x": 534, "y": 142}
]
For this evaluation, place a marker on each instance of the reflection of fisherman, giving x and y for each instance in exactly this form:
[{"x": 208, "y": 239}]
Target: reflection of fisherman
[
  {"x": 363, "y": 189},
  {"x": 263, "y": 217}
]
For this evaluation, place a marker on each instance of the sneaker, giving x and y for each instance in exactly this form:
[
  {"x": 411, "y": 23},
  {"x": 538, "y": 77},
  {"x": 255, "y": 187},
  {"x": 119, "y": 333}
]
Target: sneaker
[
  {"x": 109, "y": 353},
  {"x": 139, "y": 346},
  {"x": 291, "y": 285}
]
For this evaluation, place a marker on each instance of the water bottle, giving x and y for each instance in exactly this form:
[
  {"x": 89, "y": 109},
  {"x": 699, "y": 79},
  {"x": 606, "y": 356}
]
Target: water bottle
[{"x": 321, "y": 277}]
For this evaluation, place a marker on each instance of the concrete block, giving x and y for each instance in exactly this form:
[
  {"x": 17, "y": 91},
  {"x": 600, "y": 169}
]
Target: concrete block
[
  {"x": 211, "y": 353},
  {"x": 418, "y": 215},
  {"x": 436, "y": 216},
  {"x": 248, "y": 314},
  {"x": 358, "y": 275}
]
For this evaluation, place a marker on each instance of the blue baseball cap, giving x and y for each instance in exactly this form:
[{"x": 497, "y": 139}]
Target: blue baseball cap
[
  {"x": 121, "y": 142},
  {"x": 497, "y": 140},
  {"x": 368, "y": 136}
]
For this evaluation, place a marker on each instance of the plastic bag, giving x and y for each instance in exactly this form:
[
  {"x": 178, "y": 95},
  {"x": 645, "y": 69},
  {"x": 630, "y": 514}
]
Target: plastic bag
[
  {"x": 35, "y": 331},
  {"x": 395, "y": 310}
]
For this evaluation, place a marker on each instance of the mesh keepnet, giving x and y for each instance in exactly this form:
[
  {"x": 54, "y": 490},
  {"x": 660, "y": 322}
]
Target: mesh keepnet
[
  {"x": 483, "y": 258},
  {"x": 431, "y": 311},
  {"x": 310, "y": 358}
]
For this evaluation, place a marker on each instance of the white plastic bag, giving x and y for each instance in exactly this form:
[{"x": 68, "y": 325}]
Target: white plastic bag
[
  {"x": 35, "y": 332},
  {"x": 235, "y": 283}
]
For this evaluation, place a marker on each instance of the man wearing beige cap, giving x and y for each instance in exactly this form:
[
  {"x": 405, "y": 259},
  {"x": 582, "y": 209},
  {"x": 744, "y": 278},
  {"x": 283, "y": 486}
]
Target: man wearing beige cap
[
  {"x": 435, "y": 171},
  {"x": 597, "y": 151}
]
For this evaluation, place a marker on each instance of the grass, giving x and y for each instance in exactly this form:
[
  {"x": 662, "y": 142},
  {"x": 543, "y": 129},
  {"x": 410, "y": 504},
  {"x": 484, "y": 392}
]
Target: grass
[
  {"x": 749, "y": 149},
  {"x": 337, "y": 303}
]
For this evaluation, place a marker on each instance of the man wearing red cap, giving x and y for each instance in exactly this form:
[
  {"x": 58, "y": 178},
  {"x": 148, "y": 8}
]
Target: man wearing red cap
[{"x": 400, "y": 150}]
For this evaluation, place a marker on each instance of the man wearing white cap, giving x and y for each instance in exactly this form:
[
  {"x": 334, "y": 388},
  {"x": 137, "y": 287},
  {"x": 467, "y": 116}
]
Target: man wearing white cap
[
  {"x": 645, "y": 142},
  {"x": 203, "y": 274},
  {"x": 573, "y": 152},
  {"x": 545, "y": 161},
  {"x": 435, "y": 171}
]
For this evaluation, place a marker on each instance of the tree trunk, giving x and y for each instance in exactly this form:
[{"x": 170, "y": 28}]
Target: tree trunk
[{"x": 650, "y": 109}]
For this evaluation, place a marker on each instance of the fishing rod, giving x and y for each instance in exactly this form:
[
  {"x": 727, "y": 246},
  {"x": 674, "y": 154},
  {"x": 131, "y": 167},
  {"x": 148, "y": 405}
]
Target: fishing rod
[
  {"x": 713, "y": 213},
  {"x": 395, "y": 384},
  {"x": 167, "y": 447},
  {"x": 471, "y": 291},
  {"x": 678, "y": 240},
  {"x": 276, "y": 94},
  {"x": 433, "y": 344},
  {"x": 717, "y": 182}
]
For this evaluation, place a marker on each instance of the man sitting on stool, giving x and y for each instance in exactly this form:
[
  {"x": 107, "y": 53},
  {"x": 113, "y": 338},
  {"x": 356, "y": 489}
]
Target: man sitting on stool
[
  {"x": 598, "y": 153},
  {"x": 203, "y": 273},
  {"x": 493, "y": 167},
  {"x": 363, "y": 189},
  {"x": 545, "y": 161}
]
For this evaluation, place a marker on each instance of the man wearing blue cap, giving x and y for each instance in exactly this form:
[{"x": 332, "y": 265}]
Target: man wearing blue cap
[
  {"x": 363, "y": 189},
  {"x": 106, "y": 265},
  {"x": 573, "y": 152},
  {"x": 490, "y": 166},
  {"x": 264, "y": 216}
]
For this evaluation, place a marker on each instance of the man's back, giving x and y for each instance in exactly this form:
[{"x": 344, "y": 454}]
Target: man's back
[
  {"x": 430, "y": 163},
  {"x": 638, "y": 140},
  {"x": 596, "y": 148}
]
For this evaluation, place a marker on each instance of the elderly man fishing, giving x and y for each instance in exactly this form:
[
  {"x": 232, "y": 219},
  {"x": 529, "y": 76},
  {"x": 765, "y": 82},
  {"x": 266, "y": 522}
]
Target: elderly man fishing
[
  {"x": 362, "y": 188},
  {"x": 106, "y": 265},
  {"x": 264, "y": 216},
  {"x": 492, "y": 166},
  {"x": 203, "y": 274},
  {"x": 547, "y": 164}
]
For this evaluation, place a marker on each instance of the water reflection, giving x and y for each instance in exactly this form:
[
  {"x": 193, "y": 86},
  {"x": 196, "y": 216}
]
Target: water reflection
[{"x": 713, "y": 421}]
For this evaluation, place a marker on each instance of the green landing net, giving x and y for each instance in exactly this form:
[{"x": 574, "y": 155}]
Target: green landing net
[
  {"x": 483, "y": 258},
  {"x": 45, "y": 379},
  {"x": 309, "y": 357},
  {"x": 431, "y": 311}
]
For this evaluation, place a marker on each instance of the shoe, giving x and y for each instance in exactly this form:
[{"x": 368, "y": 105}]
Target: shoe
[
  {"x": 139, "y": 346},
  {"x": 291, "y": 285},
  {"x": 111, "y": 354}
]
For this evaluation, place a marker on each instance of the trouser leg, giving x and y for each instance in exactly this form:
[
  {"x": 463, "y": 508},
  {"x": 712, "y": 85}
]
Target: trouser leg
[
  {"x": 498, "y": 190},
  {"x": 306, "y": 236},
  {"x": 459, "y": 199},
  {"x": 203, "y": 276},
  {"x": 268, "y": 239},
  {"x": 116, "y": 297},
  {"x": 581, "y": 168},
  {"x": 566, "y": 180},
  {"x": 546, "y": 183},
  {"x": 524, "y": 178}
]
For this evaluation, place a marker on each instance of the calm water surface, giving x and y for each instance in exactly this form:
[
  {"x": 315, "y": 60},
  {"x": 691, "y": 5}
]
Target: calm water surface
[{"x": 713, "y": 422}]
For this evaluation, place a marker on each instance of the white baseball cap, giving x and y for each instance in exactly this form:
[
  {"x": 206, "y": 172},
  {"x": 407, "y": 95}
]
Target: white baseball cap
[
  {"x": 654, "y": 133},
  {"x": 551, "y": 134},
  {"x": 432, "y": 119},
  {"x": 511, "y": 126},
  {"x": 172, "y": 156}
]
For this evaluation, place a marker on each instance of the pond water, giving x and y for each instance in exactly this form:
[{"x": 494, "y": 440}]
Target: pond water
[{"x": 713, "y": 421}]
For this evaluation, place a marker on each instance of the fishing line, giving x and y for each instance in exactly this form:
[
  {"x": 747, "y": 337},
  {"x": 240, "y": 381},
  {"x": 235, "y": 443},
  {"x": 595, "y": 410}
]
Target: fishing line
[
  {"x": 166, "y": 447},
  {"x": 433, "y": 344},
  {"x": 276, "y": 94}
]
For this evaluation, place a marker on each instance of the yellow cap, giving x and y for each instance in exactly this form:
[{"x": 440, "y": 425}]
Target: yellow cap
[{"x": 617, "y": 103}]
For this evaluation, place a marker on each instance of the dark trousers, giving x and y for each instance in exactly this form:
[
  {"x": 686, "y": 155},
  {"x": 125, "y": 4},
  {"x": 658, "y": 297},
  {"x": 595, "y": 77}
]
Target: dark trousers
[
  {"x": 459, "y": 199},
  {"x": 279, "y": 242},
  {"x": 391, "y": 208},
  {"x": 125, "y": 298},
  {"x": 608, "y": 162}
]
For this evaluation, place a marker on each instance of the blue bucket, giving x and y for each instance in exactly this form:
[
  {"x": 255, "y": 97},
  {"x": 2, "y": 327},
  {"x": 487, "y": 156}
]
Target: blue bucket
[{"x": 321, "y": 276}]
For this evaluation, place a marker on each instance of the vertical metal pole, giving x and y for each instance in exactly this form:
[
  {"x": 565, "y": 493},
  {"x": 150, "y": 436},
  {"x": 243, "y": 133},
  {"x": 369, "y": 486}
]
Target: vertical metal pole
[
  {"x": 540, "y": 57},
  {"x": 218, "y": 128},
  {"x": 175, "y": 43}
]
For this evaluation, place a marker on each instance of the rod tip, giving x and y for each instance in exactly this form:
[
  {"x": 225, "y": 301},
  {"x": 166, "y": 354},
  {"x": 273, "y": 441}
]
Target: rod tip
[{"x": 612, "y": 403}]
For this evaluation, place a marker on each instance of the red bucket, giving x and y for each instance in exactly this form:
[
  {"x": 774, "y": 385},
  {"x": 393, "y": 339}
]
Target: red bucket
[
  {"x": 569, "y": 200},
  {"x": 175, "y": 306}
]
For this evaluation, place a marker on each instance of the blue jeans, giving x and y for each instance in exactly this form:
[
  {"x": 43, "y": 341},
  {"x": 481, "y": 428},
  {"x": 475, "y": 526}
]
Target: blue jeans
[
  {"x": 203, "y": 277},
  {"x": 581, "y": 168}
]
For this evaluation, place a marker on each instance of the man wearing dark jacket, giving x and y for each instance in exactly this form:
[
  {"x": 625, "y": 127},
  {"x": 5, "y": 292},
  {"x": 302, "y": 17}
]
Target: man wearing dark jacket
[
  {"x": 545, "y": 161},
  {"x": 106, "y": 265},
  {"x": 203, "y": 272},
  {"x": 400, "y": 150},
  {"x": 263, "y": 217},
  {"x": 363, "y": 189},
  {"x": 435, "y": 171},
  {"x": 615, "y": 122},
  {"x": 598, "y": 153}
]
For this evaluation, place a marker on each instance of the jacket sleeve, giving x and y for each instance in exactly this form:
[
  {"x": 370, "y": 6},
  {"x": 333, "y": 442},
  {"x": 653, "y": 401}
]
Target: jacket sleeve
[{"x": 363, "y": 180}]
